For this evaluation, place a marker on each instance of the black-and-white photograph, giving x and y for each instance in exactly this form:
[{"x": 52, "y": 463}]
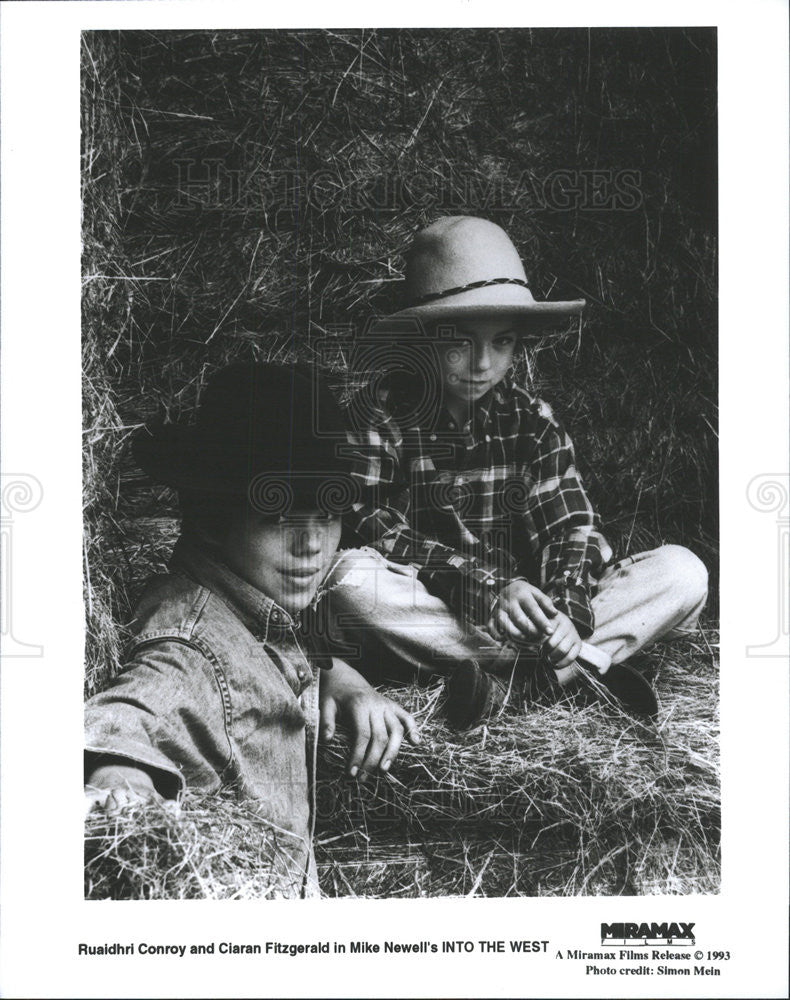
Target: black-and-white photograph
[{"x": 400, "y": 384}]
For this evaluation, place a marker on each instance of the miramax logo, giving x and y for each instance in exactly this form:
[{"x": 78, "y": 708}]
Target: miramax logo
[{"x": 645, "y": 934}]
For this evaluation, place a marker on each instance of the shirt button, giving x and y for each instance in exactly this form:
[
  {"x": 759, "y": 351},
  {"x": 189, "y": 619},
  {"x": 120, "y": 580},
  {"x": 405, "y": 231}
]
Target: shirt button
[
  {"x": 276, "y": 616},
  {"x": 301, "y": 674},
  {"x": 432, "y": 437},
  {"x": 488, "y": 438},
  {"x": 451, "y": 425}
]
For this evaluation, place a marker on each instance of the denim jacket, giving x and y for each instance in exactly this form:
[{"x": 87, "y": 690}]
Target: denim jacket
[{"x": 217, "y": 691}]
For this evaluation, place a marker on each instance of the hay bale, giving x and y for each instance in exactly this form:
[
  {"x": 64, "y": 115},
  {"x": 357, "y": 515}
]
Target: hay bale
[
  {"x": 207, "y": 847},
  {"x": 568, "y": 799},
  {"x": 580, "y": 774}
]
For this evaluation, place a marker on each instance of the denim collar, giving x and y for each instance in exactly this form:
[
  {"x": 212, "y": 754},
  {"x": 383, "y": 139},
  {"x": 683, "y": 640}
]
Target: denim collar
[{"x": 258, "y": 612}]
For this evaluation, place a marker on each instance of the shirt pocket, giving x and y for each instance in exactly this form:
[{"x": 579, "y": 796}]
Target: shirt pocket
[{"x": 265, "y": 686}]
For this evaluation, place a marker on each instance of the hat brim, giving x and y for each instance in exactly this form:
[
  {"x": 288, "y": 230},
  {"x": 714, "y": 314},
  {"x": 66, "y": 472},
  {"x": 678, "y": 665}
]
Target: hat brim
[
  {"x": 535, "y": 315},
  {"x": 175, "y": 456}
]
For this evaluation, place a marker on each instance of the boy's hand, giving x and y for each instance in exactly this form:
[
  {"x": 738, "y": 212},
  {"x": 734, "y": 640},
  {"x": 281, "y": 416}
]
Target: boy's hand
[
  {"x": 563, "y": 646},
  {"x": 378, "y": 724},
  {"x": 112, "y": 787},
  {"x": 523, "y": 612}
]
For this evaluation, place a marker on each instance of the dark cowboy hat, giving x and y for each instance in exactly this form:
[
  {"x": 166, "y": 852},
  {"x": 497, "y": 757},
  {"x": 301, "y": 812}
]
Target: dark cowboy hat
[{"x": 271, "y": 433}]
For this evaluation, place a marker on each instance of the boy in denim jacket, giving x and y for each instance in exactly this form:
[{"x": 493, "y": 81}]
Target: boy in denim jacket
[{"x": 221, "y": 687}]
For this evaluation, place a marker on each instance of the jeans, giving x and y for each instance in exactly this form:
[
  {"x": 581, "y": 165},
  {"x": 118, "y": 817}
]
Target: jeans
[{"x": 382, "y": 614}]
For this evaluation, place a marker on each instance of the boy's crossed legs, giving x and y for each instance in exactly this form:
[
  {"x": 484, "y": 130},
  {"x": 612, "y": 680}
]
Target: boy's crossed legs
[{"x": 397, "y": 629}]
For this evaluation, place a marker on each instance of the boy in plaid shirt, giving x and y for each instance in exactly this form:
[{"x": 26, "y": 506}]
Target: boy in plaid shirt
[{"x": 482, "y": 544}]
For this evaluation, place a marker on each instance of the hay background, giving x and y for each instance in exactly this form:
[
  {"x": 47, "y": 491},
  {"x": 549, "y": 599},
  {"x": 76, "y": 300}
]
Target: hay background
[{"x": 180, "y": 278}]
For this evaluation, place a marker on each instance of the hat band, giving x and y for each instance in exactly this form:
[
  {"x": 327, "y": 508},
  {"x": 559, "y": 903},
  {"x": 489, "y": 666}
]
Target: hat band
[{"x": 433, "y": 296}]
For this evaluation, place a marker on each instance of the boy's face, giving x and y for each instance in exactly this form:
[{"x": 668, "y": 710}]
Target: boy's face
[
  {"x": 481, "y": 358},
  {"x": 286, "y": 559}
]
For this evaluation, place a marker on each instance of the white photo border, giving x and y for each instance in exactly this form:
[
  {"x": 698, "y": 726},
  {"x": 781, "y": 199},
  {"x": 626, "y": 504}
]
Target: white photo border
[{"x": 44, "y": 915}]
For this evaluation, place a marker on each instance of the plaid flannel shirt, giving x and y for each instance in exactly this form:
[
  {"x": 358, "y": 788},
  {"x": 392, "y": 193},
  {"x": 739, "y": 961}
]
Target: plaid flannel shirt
[{"x": 475, "y": 507}]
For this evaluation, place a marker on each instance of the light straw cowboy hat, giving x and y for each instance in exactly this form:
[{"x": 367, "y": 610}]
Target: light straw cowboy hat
[{"x": 461, "y": 266}]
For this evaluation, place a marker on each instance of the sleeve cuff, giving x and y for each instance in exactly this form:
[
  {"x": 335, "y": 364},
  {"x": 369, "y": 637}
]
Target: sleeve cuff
[
  {"x": 573, "y": 600},
  {"x": 168, "y": 780}
]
